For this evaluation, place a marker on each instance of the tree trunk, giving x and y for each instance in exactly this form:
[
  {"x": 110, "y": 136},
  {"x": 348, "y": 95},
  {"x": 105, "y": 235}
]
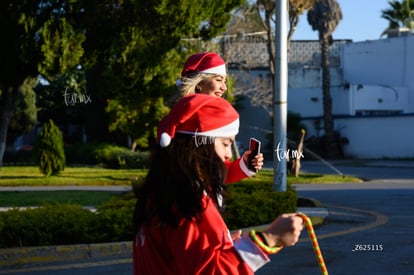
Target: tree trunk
[
  {"x": 330, "y": 142},
  {"x": 270, "y": 49},
  {"x": 7, "y": 101}
]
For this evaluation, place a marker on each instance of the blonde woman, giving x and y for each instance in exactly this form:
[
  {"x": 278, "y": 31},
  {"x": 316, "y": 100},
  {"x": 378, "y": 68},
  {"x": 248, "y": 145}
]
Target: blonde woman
[{"x": 205, "y": 73}]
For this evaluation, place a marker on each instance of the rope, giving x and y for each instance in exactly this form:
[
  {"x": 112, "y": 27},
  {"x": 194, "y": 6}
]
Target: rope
[{"x": 315, "y": 245}]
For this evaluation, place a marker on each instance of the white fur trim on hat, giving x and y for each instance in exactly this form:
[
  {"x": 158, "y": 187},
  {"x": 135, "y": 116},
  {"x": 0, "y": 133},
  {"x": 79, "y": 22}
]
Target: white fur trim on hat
[
  {"x": 228, "y": 130},
  {"x": 221, "y": 69}
]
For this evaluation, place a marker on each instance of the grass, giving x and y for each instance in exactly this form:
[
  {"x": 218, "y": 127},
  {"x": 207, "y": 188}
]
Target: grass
[
  {"x": 267, "y": 175},
  {"x": 95, "y": 176},
  {"x": 91, "y": 176},
  {"x": 18, "y": 199}
]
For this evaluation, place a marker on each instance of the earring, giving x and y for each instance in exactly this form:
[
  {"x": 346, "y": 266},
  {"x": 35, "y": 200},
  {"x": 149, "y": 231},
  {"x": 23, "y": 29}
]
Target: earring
[{"x": 197, "y": 89}]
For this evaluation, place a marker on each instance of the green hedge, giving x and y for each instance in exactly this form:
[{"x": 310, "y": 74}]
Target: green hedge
[
  {"x": 103, "y": 154},
  {"x": 252, "y": 203},
  {"x": 61, "y": 224},
  {"x": 247, "y": 204},
  {"x": 107, "y": 155},
  {"x": 51, "y": 224}
]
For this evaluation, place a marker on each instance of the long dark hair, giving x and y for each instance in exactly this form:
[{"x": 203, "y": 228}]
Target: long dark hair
[{"x": 178, "y": 176}]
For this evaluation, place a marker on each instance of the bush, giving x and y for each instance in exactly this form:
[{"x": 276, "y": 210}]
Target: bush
[
  {"x": 49, "y": 152},
  {"x": 251, "y": 203},
  {"x": 61, "y": 224},
  {"x": 20, "y": 157},
  {"x": 247, "y": 204},
  {"x": 115, "y": 217},
  {"x": 48, "y": 225},
  {"x": 107, "y": 155}
]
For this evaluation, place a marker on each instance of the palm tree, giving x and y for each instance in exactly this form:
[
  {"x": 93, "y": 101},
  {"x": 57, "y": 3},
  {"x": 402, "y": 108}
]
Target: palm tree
[
  {"x": 324, "y": 17},
  {"x": 401, "y": 14}
]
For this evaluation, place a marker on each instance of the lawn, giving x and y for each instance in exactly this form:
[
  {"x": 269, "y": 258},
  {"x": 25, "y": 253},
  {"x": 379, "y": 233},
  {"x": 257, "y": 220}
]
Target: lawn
[
  {"x": 267, "y": 175},
  {"x": 87, "y": 198},
  {"x": 91, "y": 176},
  {"x": 95, "y": 176}
]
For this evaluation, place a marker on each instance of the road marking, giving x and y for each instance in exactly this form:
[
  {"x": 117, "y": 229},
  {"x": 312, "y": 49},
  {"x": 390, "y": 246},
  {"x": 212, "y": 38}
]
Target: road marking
[{"x": 380, "y": 219}]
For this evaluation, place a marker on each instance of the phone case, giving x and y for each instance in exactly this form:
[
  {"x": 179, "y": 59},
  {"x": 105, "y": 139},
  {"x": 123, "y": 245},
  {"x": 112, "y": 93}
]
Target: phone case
[{"x": 254, "y": 146}]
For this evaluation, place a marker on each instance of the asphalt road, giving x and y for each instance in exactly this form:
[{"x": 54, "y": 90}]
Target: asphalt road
[{"x": 370, "y": 230}]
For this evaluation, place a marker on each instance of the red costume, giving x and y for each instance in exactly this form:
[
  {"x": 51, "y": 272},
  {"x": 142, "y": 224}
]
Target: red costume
[
  {"x": 237, "y": 170},
  {"x": 203, "y": 247}
]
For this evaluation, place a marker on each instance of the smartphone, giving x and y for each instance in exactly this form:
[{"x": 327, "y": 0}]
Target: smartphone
[{"x": 254, "y": 147}]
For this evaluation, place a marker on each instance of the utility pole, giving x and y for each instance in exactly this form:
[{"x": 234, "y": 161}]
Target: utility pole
[{"x": 280, "y": 97}]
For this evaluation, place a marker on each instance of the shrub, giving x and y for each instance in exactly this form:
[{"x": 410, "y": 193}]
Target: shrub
[
  {"x": 49, "y": 152},
  {"x": 115, "y": 217},
  {"x": 48, "y": 225},
  {"x": 251, "y": 203},
  {"x": 107, "y": 155},
  {"x": 247, "y": 203}
]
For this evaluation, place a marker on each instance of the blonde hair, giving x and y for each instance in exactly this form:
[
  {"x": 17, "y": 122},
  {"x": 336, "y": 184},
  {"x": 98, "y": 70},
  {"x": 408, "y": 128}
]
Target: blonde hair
[{"x": 189, "y": 84}]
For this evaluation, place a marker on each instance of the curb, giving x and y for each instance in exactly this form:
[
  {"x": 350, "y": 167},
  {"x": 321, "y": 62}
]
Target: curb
[{"x": 23, "y": 256}]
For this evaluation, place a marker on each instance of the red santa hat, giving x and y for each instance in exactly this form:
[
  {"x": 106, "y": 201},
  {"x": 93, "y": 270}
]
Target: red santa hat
[
  {"x": 207, "y": 63},
  {"x": 199, "y": 114}
]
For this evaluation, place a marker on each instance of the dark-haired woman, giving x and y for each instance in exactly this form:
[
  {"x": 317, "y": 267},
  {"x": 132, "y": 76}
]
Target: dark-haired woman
[{"x": 179, "y": 228}]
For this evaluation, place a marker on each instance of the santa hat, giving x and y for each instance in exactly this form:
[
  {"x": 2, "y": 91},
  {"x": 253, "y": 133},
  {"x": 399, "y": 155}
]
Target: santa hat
[
  {"x": 207, "y": 63},
  {"x": 199, "y": 114}
]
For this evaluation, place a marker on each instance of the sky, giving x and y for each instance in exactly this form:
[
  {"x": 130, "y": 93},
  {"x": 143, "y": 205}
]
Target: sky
[{"x": 361, "y": 20}]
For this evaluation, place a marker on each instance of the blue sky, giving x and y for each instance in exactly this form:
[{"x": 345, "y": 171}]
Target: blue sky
[{"x": 361, "y": 20}]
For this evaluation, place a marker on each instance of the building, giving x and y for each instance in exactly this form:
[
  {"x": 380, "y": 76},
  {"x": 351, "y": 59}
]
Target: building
[{"x": 372, "y": 88}]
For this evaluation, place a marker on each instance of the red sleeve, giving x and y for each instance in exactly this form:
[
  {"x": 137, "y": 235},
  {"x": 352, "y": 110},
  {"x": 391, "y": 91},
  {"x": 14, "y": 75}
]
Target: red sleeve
[
  {"x": 237, "y": 170},
  {"x": 203, "y": 247}
]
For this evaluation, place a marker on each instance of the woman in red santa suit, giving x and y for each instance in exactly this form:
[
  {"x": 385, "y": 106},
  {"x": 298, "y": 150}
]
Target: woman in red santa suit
[
  {"x": 177, "y": 217},
  {"x": 205, "y": 73}
]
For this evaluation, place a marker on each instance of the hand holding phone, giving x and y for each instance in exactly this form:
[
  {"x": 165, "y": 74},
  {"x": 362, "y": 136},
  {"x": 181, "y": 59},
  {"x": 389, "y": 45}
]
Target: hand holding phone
[{"x": 254, "y": 147}]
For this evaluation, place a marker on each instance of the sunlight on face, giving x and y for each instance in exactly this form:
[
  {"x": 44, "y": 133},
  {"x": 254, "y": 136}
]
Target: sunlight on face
[{"x": 214, "y": 86}]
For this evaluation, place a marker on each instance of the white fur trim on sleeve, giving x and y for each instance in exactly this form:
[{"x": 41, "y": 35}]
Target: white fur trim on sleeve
[
  {"x": 251, "y": 253},
  {"x": 245, "y": 169}
]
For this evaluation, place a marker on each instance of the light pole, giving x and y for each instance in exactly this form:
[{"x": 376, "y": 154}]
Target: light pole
[{"x": 280, "y": 97}]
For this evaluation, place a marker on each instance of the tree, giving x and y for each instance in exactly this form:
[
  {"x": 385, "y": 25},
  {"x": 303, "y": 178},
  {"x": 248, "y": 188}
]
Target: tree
[
  {"x": 401, "y": 14},
  {"x": 25, "y": 116},
  {"x": 258, "y": 18},
  {"x": 39, "y": 41},
  {"x": 49, "y": 151},
  {"x": 146, "y": 67},
  {"x": 296, "y": 9},
  {"x": 324, "y": 17},
  {"x": 65, "y": 101},
  {"x": 130, "y": 51}
]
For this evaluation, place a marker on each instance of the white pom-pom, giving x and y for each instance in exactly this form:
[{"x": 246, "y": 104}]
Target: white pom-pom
[{"x": 165, "y": 140}]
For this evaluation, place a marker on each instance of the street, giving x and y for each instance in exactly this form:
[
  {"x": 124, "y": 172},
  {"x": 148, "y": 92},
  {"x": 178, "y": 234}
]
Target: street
[{"x": 385, "y": 248}]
